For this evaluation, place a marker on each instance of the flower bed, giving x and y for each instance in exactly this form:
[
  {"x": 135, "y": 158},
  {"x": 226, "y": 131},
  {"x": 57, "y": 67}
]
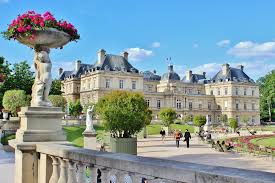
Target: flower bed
[
  {"x": 26, "y": 24},
  {"x": 245, "y": 144}
]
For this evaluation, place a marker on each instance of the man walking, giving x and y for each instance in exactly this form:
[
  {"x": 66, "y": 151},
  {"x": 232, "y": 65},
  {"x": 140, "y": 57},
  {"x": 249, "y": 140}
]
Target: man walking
[{"x": 187, "y": 137}]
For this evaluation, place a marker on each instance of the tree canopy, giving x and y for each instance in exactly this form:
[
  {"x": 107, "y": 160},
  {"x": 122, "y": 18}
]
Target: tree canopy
[
  {"x": 56, "y": 87},
  {"x": 233, "y": 123},
  {"x": 199, "y": 120},
  {"x": 267, "y": 96},
  {"x": 167, "y": 116}
]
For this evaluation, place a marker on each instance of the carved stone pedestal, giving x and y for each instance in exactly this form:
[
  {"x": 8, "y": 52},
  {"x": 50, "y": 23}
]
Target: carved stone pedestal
[
  {"x": 40, "y": 124},
  {"x": 89, "y": 140}
]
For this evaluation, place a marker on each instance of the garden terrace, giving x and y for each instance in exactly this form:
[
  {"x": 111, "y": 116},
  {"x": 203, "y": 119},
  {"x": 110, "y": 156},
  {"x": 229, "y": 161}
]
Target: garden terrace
[{"x": 65, "y": 163}]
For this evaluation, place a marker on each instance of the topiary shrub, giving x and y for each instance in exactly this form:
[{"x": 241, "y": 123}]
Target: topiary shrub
[
  {"x": 14, "y": 99},
  {"x": 123, "y": 113},
  {"x": 233, "y": 123},
  {"x": 199, "y": 120},
  {"x": 167, "y": 116},
  {"x": 58, "y": 101}
]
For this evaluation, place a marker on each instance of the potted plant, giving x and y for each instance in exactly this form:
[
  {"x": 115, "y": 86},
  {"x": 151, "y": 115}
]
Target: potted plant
[
  {"x": 124, "y": 115},
  {"x": 167, "y": 116}
]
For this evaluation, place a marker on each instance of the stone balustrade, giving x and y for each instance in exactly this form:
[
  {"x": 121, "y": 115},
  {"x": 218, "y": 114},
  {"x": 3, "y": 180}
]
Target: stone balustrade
[{"x": 63, "y": 163}]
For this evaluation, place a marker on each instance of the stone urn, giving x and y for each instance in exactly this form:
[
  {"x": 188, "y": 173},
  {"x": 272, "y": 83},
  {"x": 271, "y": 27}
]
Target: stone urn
[{"x": 5, "y": 115}]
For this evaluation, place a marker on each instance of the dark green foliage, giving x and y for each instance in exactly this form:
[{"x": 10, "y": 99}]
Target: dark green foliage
[
  {"x": 167, "y": 116},
  {"x": 75, "y": 108}
]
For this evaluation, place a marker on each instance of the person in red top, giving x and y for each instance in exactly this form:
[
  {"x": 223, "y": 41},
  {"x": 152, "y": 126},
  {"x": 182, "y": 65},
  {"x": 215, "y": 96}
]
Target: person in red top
[{"x": 177, "y": 136}]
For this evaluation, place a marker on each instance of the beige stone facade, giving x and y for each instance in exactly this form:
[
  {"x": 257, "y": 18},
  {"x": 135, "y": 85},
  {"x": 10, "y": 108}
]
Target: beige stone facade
[{"x": 229, "y": 92}]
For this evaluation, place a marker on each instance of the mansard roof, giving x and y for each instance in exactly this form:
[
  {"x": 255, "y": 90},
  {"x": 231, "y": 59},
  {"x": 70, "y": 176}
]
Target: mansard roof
[
  {"x": 115, "y": 63},
  {"x": 170, "y": 75},
  {"x": 151, "y": 76},
  {"x": 234, "y": 74},
  {"x": 75, "y": 73},
  {"x": 195, "y": 78}
]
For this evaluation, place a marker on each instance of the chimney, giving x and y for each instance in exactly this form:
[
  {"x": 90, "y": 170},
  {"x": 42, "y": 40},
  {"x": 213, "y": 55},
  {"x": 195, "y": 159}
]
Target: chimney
[
  {"x": 240, "y": 67},
  {"x": 154, "y": 71},
  {"x": 100, "y": 56},
  {"x": 225, "y": 69},
  {"x": 170, "y": 68},
  {"x": 204, "y": 74},
  {"x": 188, "y": 75},
  {"x": 77, "y": 65},
  {"x": 60, "y": 70},
  {"x": 125, "y": 55}
]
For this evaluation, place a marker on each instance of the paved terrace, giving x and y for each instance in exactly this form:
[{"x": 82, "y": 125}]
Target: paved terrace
[{"x": 201, "y": 153}]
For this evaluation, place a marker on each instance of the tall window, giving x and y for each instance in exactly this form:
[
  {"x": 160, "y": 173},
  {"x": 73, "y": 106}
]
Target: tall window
[
  {"x": 150, "y": 88},
  {"x": 244, "y": 91},
  {"x": 244, "y": 106},
  {"x": 253, "y": 119},
  {"x": 200, "y": 106},
  {"x": 199, "y": 91},
  {"x": 225, "y": 91},
  {"x": 252, "y": 93},
  {"x": 219, "y": 91},
  {"x": 237, "y": 91},
  {"x": 209, "y": 106},
  {"x": 107, "y": 83},
  {"x": 121, "y": 84},
  {"x": 158, "y": 104},
  {"x": 134, "y": 85},
  {"x": 190, "y": 105},
  {"x": 238, "y": 119},
  {"x": 148, "y": 102},
  {"x": 211, "y": 92},
  {"x": 225, "y": 105},
  {"x": 178, "y": 104},
  {"x": 237, "y": 106},
  {"x": 189, "y": 91},
  {"x": 209, "y": 118},
  {"x": 253, "y": 106}
]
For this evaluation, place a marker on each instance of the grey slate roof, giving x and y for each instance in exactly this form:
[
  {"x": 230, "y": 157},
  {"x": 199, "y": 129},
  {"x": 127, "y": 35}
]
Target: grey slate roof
[
  {"x": 150, "y": 76},
  {"x": 196, "y": 78},
  {"x": 115, "y": 63},
  {"x": 170, "y": 75},
  {"x": 234, "y": 74},
  {"x": 75, "y": 73}
]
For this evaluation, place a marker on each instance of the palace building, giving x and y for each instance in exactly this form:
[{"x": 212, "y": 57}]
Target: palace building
[{"x": 229, "y": 92}]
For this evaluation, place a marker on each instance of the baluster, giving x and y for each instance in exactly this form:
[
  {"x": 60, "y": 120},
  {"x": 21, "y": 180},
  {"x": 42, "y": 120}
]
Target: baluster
[
  {"x": 71, "y": 172},
  {"x": 136, "y": 178},
  {"x": 63, "y": 171},
  {"x": 105, "y": 175},
  {"x": 55, "y": 175},
  {"x": 120, "y": 177},
  {"x": 93, "y": 175},
  {"x": 81, "y": 172}
]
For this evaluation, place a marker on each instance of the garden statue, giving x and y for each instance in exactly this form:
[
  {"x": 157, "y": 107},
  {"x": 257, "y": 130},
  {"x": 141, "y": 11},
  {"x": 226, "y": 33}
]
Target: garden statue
[
  {"x": 207, "y": 124},
  {"x": 89, "y": 120}
]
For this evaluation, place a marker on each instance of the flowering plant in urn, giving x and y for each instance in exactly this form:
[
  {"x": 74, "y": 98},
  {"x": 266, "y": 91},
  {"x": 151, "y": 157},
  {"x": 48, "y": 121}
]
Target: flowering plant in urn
[{"x": 41, "y": 32}]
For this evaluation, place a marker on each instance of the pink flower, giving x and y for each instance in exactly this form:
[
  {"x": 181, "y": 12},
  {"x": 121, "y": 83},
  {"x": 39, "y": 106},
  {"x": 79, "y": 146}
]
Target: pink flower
[{"x": 42, "y": 24}]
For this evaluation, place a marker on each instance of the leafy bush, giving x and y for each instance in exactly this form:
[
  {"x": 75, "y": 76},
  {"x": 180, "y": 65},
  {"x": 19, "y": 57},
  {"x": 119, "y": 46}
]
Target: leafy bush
[
  {"x": 187, "y": 118},
  {"x": 233, "y": 123},
  {"x": 224, "y": 119},
  {"x": 58, "y": 101},
  {"x": 167, "y": 116},
  {"x": 75, "y": 108},
  {"x": 199, "y": 120},
  {"x": 14, "y": 99},
  {"x": 123, "y": 113}
]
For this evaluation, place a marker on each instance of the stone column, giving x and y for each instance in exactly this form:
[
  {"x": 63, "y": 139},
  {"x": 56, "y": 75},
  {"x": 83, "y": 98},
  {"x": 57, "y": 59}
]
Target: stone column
[{"x": 89, "y": 140}]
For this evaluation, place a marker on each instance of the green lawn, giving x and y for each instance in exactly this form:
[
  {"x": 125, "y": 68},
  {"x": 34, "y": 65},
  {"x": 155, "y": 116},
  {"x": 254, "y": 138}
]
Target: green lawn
[
  {"x": 267, "y": 142},
  {"x": 155, "y": 129}
]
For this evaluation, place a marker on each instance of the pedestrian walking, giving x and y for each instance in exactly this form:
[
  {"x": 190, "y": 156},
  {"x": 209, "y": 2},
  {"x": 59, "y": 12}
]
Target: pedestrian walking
[
  {"x": 177, "y": 138},
  {"x": 162, "y": 133},
  {"x": 187, "y": 137}
]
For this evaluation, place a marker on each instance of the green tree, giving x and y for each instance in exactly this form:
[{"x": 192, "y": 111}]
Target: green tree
[
  {"x": 56, "y": 87},
  {"x": 233, "y": 123},
  {"x": 148, "y": 120},
  {"x": 75, "y": 108},
  {"x": 5, "y": 73},
  {"x": 199, "y": 120},
  {"x": 14, "y": 99},
  {"x": 167, "y": 116},
  {"x": 224, "y": 119},
  {"x": 123, "y": 113},
  {"x": 267, "y": 96},
  {"x": 58, "y": 101},
  {"x": 187, "y": 118}
]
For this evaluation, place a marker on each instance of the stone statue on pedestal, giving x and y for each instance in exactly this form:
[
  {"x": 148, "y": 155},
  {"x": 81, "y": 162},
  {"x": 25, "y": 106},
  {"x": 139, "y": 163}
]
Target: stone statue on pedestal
[
  {"x": 89, "y": 120},
  {"x": 43, "y": 78},
  {"x": 207, "y": 124}
]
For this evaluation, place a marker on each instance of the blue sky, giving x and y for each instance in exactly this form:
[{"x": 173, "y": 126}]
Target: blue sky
[{"x": 197, "y": 35}]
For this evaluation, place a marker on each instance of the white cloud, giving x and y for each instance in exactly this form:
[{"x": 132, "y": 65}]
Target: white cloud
[
  {"x": 156, "y": 44},
  {"x": 223, "y": 43},
  {"x": 195, "y": 45},
  {"x": 253, "y": 49},
  {"x": 137, "y": 54},
  {"x": 253, "y": 69}
]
